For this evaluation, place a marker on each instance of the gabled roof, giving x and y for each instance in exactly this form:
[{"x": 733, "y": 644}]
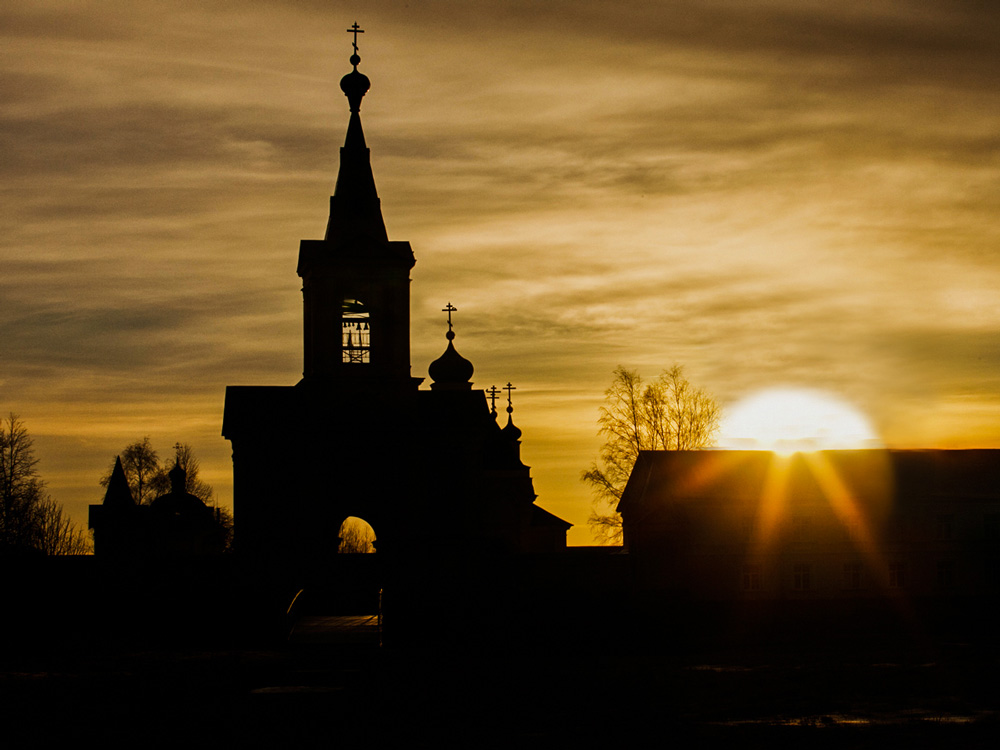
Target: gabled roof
[{"x": 661, "y": 477}]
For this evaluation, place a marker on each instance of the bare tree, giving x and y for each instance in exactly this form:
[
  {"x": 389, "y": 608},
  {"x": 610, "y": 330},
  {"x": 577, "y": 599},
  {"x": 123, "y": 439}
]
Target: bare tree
[
  {"x": 142, "y": 470},
  {"x": 57, "y": 534},
  {"x": 185, "y": 458},
  {"x": 30, "y": 520},
  {"x": 667, "y": 414},
  {"x": 148, "y": 478},
  {"x": 20, "y": 488}
]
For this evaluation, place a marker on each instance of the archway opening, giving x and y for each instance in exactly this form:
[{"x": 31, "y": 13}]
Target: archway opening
[{"x": 357, "y": 537}]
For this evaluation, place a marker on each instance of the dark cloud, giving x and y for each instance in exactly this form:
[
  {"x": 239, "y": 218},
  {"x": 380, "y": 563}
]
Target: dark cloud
[{"x": 143, "y": 136}]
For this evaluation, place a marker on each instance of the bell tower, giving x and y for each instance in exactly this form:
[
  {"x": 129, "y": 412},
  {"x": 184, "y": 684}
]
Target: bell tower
[{"x": 355, "y": 281}]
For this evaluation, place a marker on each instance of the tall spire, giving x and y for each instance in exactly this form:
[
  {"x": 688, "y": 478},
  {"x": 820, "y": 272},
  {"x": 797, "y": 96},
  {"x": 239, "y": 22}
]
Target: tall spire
[{"x": 355, "y": 208}]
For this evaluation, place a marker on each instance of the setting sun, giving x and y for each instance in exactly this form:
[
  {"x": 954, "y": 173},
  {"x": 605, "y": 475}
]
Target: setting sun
[{"x": 786, "y": 420}]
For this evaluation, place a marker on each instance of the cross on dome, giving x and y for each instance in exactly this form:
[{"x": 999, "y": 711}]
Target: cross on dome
[
  {"x": 449, "y": 308},
  {"x": 493, "y": 392},
  {"x": 355, "y": 29}
]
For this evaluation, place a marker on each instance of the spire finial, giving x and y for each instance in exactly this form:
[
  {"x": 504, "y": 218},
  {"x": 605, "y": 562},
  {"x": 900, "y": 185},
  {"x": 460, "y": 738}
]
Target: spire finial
[
  {"x": 493, "y": 392},
  {"x": 449, "y": 308},
  {"x": 355, "y": 85},
  {"x": 509, "y": 388},
  {"x": 355, "y": 29}
]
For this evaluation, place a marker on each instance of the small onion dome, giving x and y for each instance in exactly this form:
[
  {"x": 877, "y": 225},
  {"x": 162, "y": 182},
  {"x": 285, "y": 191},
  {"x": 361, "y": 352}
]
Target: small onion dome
[
  {"x": 178, "y": 500},
  {"x": 355, "y": 85},
  {"x": 451, "y": 371},
  {"x": 512, "y": 432}
]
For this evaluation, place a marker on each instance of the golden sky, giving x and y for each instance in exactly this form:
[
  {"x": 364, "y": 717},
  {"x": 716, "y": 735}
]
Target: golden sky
[{"x": 783, "y": 192}]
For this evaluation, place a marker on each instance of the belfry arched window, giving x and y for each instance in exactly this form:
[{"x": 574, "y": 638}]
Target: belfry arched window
[{"x": 355, "y": 332}]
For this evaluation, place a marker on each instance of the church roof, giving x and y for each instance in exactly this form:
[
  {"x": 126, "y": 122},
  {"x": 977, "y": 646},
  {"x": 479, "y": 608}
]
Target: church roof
[
  {"x": 179, "y": 501},
  {"x": 661, "y": 478},
  {"x": 119, "y": 494}
]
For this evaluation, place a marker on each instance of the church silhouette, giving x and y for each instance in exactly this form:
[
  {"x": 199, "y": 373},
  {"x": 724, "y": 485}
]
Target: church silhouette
[
  {"x": 453, "y": 506},
  {"x": 431, "y": 470}
]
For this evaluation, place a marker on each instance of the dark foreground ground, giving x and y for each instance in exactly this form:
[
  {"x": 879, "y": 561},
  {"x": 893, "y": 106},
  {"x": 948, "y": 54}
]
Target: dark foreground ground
[
  {"x": 89, "y": 656},
  {"x": 330, "y": 691}
]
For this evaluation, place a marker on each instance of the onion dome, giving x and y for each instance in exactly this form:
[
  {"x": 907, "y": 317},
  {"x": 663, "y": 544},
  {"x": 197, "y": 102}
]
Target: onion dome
[
  {"x": 451, "y": 371},
  {"x": 511, "y": 432},
  {"x": 179, "y": 501},
  {"x": 355, "y": 85}
]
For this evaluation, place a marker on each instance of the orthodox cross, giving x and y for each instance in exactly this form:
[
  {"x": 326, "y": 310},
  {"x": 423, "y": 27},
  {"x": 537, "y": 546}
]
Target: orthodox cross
[
  {"x": 449, "y": 309},
  {"x": 509, "y": 388},
  {"x": 355, "y": 29},
  {"x": 493, "y": 392}
]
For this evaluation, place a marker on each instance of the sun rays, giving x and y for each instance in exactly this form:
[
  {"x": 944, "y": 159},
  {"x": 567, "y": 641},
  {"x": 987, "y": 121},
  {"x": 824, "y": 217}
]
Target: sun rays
[{"x": 817, "y": 468}]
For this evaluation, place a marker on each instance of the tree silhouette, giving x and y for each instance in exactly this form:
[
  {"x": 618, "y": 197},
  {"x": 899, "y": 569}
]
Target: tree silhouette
[
  {"x": 57, "y": 534},
  {"x": 142, "y": 467},
  {"x": 30, "y": 520},
  {"x": 148, "y": 479},
  {"x": 667, "y": 414}
]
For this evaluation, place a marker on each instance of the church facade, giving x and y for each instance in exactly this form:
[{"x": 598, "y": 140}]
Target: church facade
[{"x": 431, "y": 469}]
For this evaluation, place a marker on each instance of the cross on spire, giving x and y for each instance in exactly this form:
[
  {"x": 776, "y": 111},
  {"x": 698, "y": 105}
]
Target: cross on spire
[
  {"x": 355, "y": 29},
  {"x": 493, "y": 392},
  {"x": 509, "y": 388}
]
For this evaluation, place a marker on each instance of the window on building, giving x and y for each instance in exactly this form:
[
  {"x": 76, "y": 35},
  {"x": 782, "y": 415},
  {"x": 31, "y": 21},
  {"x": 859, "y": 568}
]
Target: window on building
[
  {"x": 852, "y": 575},
  {"x": 355, "y": 332},
  {"x": 897, "y": 575},
  {"x": 801, "y": 577},
  {"x": 946, "y": 574},
  {"x": 752, "y": 579}
]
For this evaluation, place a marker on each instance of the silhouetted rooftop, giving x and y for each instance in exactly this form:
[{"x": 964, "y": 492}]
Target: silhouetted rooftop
[{"x": 681, "y": 476}]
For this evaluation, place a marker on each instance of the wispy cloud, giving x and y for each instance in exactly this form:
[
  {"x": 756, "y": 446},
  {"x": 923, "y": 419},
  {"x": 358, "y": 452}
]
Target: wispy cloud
[{"x": 785, "y": 191}]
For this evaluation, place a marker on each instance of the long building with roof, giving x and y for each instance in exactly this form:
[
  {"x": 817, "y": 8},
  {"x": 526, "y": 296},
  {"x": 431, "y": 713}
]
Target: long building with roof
[{"x": 847, "y": 524}]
